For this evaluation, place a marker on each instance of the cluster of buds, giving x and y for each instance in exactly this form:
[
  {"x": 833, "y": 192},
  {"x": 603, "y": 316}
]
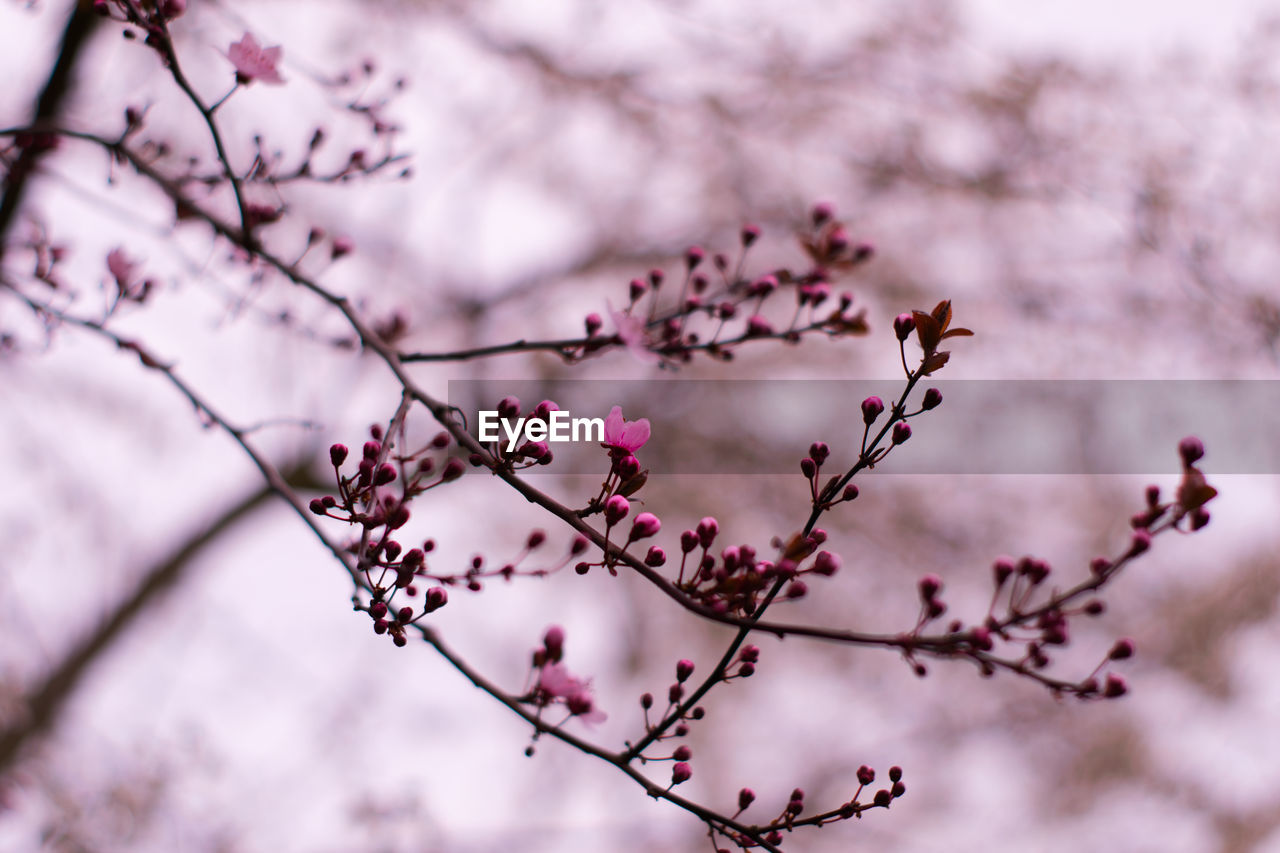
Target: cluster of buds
[
  {"x": 1027, "y": 615},
  {"x": 719, "y": 308},
  {"x": 674, "y": 722},
  {"x": 735, "y": 582},
  {"x": 793, "y": 814}
]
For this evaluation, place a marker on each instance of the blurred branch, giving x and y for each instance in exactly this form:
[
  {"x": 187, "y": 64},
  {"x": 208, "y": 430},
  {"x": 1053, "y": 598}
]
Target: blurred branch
[
  {"x": 56, "y": 88},
  {"x": 46, "y": 701}
]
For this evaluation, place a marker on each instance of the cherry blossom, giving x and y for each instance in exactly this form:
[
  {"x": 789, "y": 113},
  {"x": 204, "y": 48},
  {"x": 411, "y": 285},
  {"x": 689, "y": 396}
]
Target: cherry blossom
[
  {"x": 622, "y": 435},
  {"x": 634, "y": 336},
  {"x": 558, "y": 683},
  {"x": 122, "y": 267},
  {"x": 254, "y": 62}
]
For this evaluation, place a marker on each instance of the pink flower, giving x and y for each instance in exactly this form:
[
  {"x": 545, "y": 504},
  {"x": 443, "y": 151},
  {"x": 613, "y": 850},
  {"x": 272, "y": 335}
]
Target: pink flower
[
  {"x": 634, "y": 336},
  {"x": 254, "y": 62},
  {"x": 558, "y": 683},
  {"x": 620, "y": 434},
  {"x": 121, "y": 267}
]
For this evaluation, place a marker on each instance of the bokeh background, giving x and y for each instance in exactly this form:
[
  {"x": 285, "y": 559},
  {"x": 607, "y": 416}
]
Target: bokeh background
[{"x": 1092, "y": 185}]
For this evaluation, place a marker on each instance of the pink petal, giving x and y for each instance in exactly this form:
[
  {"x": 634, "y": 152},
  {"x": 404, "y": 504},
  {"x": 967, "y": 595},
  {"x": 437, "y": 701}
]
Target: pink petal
[{"x": 635, "y": 434}]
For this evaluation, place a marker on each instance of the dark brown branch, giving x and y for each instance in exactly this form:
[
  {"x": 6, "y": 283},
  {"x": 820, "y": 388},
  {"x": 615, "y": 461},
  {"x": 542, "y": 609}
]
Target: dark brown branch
[{"x": 49, "y": 104}]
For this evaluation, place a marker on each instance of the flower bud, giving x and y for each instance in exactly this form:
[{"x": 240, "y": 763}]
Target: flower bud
[
  {"x": 745, "y": 798},
  {"x": 901, "y": 432},
  {"x": 655, "y": 558},
  {"x": 338, "y": 454},
  {"x": 681, "y": 772},
  {"x": 553, "y": 642},
  {"x": 684, "y": 669},
  {"x": 1122, "y": 649},
  {"x": 707, "y": 530},
  {"x": 645, "y": 525},
  {"x": 616, "y": 509},
  {"x": 1191, "y": 449},
  {"x": 932, "y": 399},
  {"x": 688, "y": 541},
  {"x": 871, "y": 409},
  {"x": 903, "y": 325},
  {"x": 1114, "y": 687},
  {"x": 826, "y": 563}
]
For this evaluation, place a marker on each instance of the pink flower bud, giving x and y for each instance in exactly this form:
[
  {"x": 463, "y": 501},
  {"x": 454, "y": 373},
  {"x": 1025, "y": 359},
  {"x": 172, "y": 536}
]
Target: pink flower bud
[
  {"x": 707, "y": 530},
  {"x": 553, "y": 642},
  {"x": 758, "y": 327},
  {"x": 822, "y": 213},
  {"x": 627, "y": 467},
  {"x": 1114, "y": 687},
  {"x": 1140, "y": 543},
  {"x": 684, "y": 669},
  {"x": 901, "y": 432},
  {"x": 536, "y": 538},
  {"x": 850, "y": 492},
  {"x": 808, "y": 468},
  {"x": 616, "y": 509},
  {"x": 745, "y": 798},
  {"x": 681, "y": 772},
  {"x": 1122, "y": 649},
  {"x": 645, "y": 525},
  {"x": 341, "y": 246},
  {"x": 693, "y": 256},
  {"x": 1002, "y": 569},
  {"x": 338, "y": 454},
  {"x": 682, "y": 753},
  {"x": 437, "y": 597},
  {"x": 1191, "y": 449},
  {"x": 655, "y": 557},
  {"x": 932, "y": 399},
  {"x": 903, "y": 325},
  {"x": 798, "y": 589},
  {"x": 750, "y": 233},
  {"x": 593, "y": 323},
  {"x": 509, "y": 408},
  {"x": 637, "y": 288},
  {"x": 453, "y": 469},
  {"x": 826, "y": 563},
  {"x": 872, "y": 407},
  {"x": 930, "y": 586},
  {"x": 386, "y": 474},
  {"x": 866, "y": 775}
]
